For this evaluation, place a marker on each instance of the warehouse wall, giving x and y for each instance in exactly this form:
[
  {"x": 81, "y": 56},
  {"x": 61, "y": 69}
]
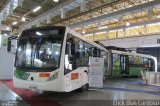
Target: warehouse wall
[{"x": 145, "y": 41}]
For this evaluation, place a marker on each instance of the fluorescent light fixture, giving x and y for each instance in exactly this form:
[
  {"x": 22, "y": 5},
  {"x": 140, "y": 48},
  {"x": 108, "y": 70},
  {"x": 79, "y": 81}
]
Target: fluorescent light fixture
[
  {"x": 158, "y": 16},
  {"x": 103, "y": 27},
  {"x": 89, "y": 34},
  {"x": 56, "y": 1},
  {"x": 14, "y": 23},
  {"x": 83, "y": 32},
  {"x": 128, "y": 24},
  {"x": 28, "y": 51},
  {"x": 36, "y": 9},
  {"x": 7, "y": 28},
  {"x": 19, "y": 49},
  {"x": 133, "y": 27},
  {"x": 56, "y": 52},
  {"x": 100, "y": 33},
  {"x": 23, "y": 19},
  {"x": 91, "y": 25},
  {"x": 153, "y": 24},
  {"x": 150, "y": 45},
  {"x": 38, "y": 33},
  {"x": 5, "y": 34}
]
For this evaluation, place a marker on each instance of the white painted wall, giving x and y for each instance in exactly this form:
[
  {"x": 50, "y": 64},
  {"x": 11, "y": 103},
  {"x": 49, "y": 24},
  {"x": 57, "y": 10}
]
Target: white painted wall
[{"x": 145, "y": 41}]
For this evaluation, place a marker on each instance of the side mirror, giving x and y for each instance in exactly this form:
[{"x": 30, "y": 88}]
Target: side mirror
[{"x": 9, "y": 45}]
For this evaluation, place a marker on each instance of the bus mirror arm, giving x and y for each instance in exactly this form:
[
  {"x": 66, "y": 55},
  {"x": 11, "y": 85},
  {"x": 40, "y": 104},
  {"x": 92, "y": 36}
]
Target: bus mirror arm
[
  {"x": 9, "y": 44},
  {"x": 9, "y": 49}
]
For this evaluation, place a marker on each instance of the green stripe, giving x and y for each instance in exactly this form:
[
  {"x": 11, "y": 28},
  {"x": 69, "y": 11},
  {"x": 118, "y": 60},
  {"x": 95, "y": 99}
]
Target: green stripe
[{"x": 19, "y": 73}]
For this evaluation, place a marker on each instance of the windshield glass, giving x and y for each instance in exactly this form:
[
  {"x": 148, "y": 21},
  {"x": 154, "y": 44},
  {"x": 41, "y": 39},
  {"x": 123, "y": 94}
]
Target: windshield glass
[{"x": 40, "y": 49}]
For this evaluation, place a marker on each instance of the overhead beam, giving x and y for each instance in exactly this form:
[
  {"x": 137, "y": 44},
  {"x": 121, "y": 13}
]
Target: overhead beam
[
  {"x": 8, "y": 8},
  {"x": 117, "y": 14},
  {"x": 4, "y": 5},
  {"x": 83, "y": 5},
  {"x": 63, "y": 13},
  {"x": 150, "y": 12},
  {"x": 89, "y": 10},
  {"x": 20, "y": 2},
  {"x": 48, "y": 19}
]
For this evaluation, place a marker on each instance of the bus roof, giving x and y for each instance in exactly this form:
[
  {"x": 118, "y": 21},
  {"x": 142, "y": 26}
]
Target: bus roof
[{"x": 44, "y": 28}]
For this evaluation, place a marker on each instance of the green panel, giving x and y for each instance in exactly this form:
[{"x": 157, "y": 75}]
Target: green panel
[
  {"x": 116, "y": 71},
  {"x": 106, "y": 71},
  {"x": 136, "y": 70},
  {"x": 20, "y": 74}
]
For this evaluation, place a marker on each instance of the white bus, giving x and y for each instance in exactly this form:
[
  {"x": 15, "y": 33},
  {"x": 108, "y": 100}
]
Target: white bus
[
  {"x": 56, "y": 58},
  {"x": 123, "y": 62},
  {"x": 53, "y": 58},
  {"x": 130, "y": 64}
]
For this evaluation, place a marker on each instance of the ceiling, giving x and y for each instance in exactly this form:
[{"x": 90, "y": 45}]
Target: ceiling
[
  {"x": 85, "y": 16},
  {"x": 2, "y": 3},
  {"x": 26, "y": 10}
]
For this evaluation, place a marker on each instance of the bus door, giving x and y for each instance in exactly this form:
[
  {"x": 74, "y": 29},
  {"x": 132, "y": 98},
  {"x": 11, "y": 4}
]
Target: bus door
[
  {"x": 127, "y": 64},
  {"x": 151, "y": 65},
  {"x": 124, "y": 61}
]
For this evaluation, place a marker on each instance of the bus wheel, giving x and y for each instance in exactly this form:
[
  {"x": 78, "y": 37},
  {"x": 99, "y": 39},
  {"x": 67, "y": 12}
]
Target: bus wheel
[{"x": 84, "y": 87}]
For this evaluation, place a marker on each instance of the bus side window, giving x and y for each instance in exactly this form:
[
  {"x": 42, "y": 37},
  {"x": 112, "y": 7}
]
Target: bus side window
[
  {"x": 73, "y": 57},
  {"x": 70, "y": 55},
  {"x": 68, "y": 66},
  {"x": 151, "y": 65},
  {"x": 96, "y": 52}
]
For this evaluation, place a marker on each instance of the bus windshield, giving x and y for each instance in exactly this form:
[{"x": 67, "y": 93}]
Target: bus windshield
[{"x": 39, "y": 49}]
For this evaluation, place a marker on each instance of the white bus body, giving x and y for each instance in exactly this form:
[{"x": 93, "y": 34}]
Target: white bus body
[{"x": 54, "y": 80}]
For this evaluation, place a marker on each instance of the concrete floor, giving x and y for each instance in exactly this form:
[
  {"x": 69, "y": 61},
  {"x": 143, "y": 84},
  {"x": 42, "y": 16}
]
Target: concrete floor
[
  {"x": 114, "y": 89},
  {"x": 8, "y": 97}
]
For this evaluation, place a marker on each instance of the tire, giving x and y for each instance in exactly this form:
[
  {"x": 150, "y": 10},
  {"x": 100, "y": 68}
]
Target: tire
[{"x": 84, "y": 88}]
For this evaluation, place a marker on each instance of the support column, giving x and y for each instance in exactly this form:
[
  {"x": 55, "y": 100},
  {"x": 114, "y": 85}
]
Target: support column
[
  {"x": 145, "y": 29},
  {"x": 150, "y": 12},
  {"x": 83, "y": 31},
  {"x": 4, "y": 14},
  {"x": 38, "y": 23},
  {"x": 48, "y": 19},
  {"x": 120, "y": 20},
  {"x": 63, "y": 13},
  {"x": 83, "y": 6},
  {"x": 110, "y": 62},
  {"x": 11, "y": 8},
  {"x": 98, "y": 24},
  {"x": 20, "y": 3}
]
